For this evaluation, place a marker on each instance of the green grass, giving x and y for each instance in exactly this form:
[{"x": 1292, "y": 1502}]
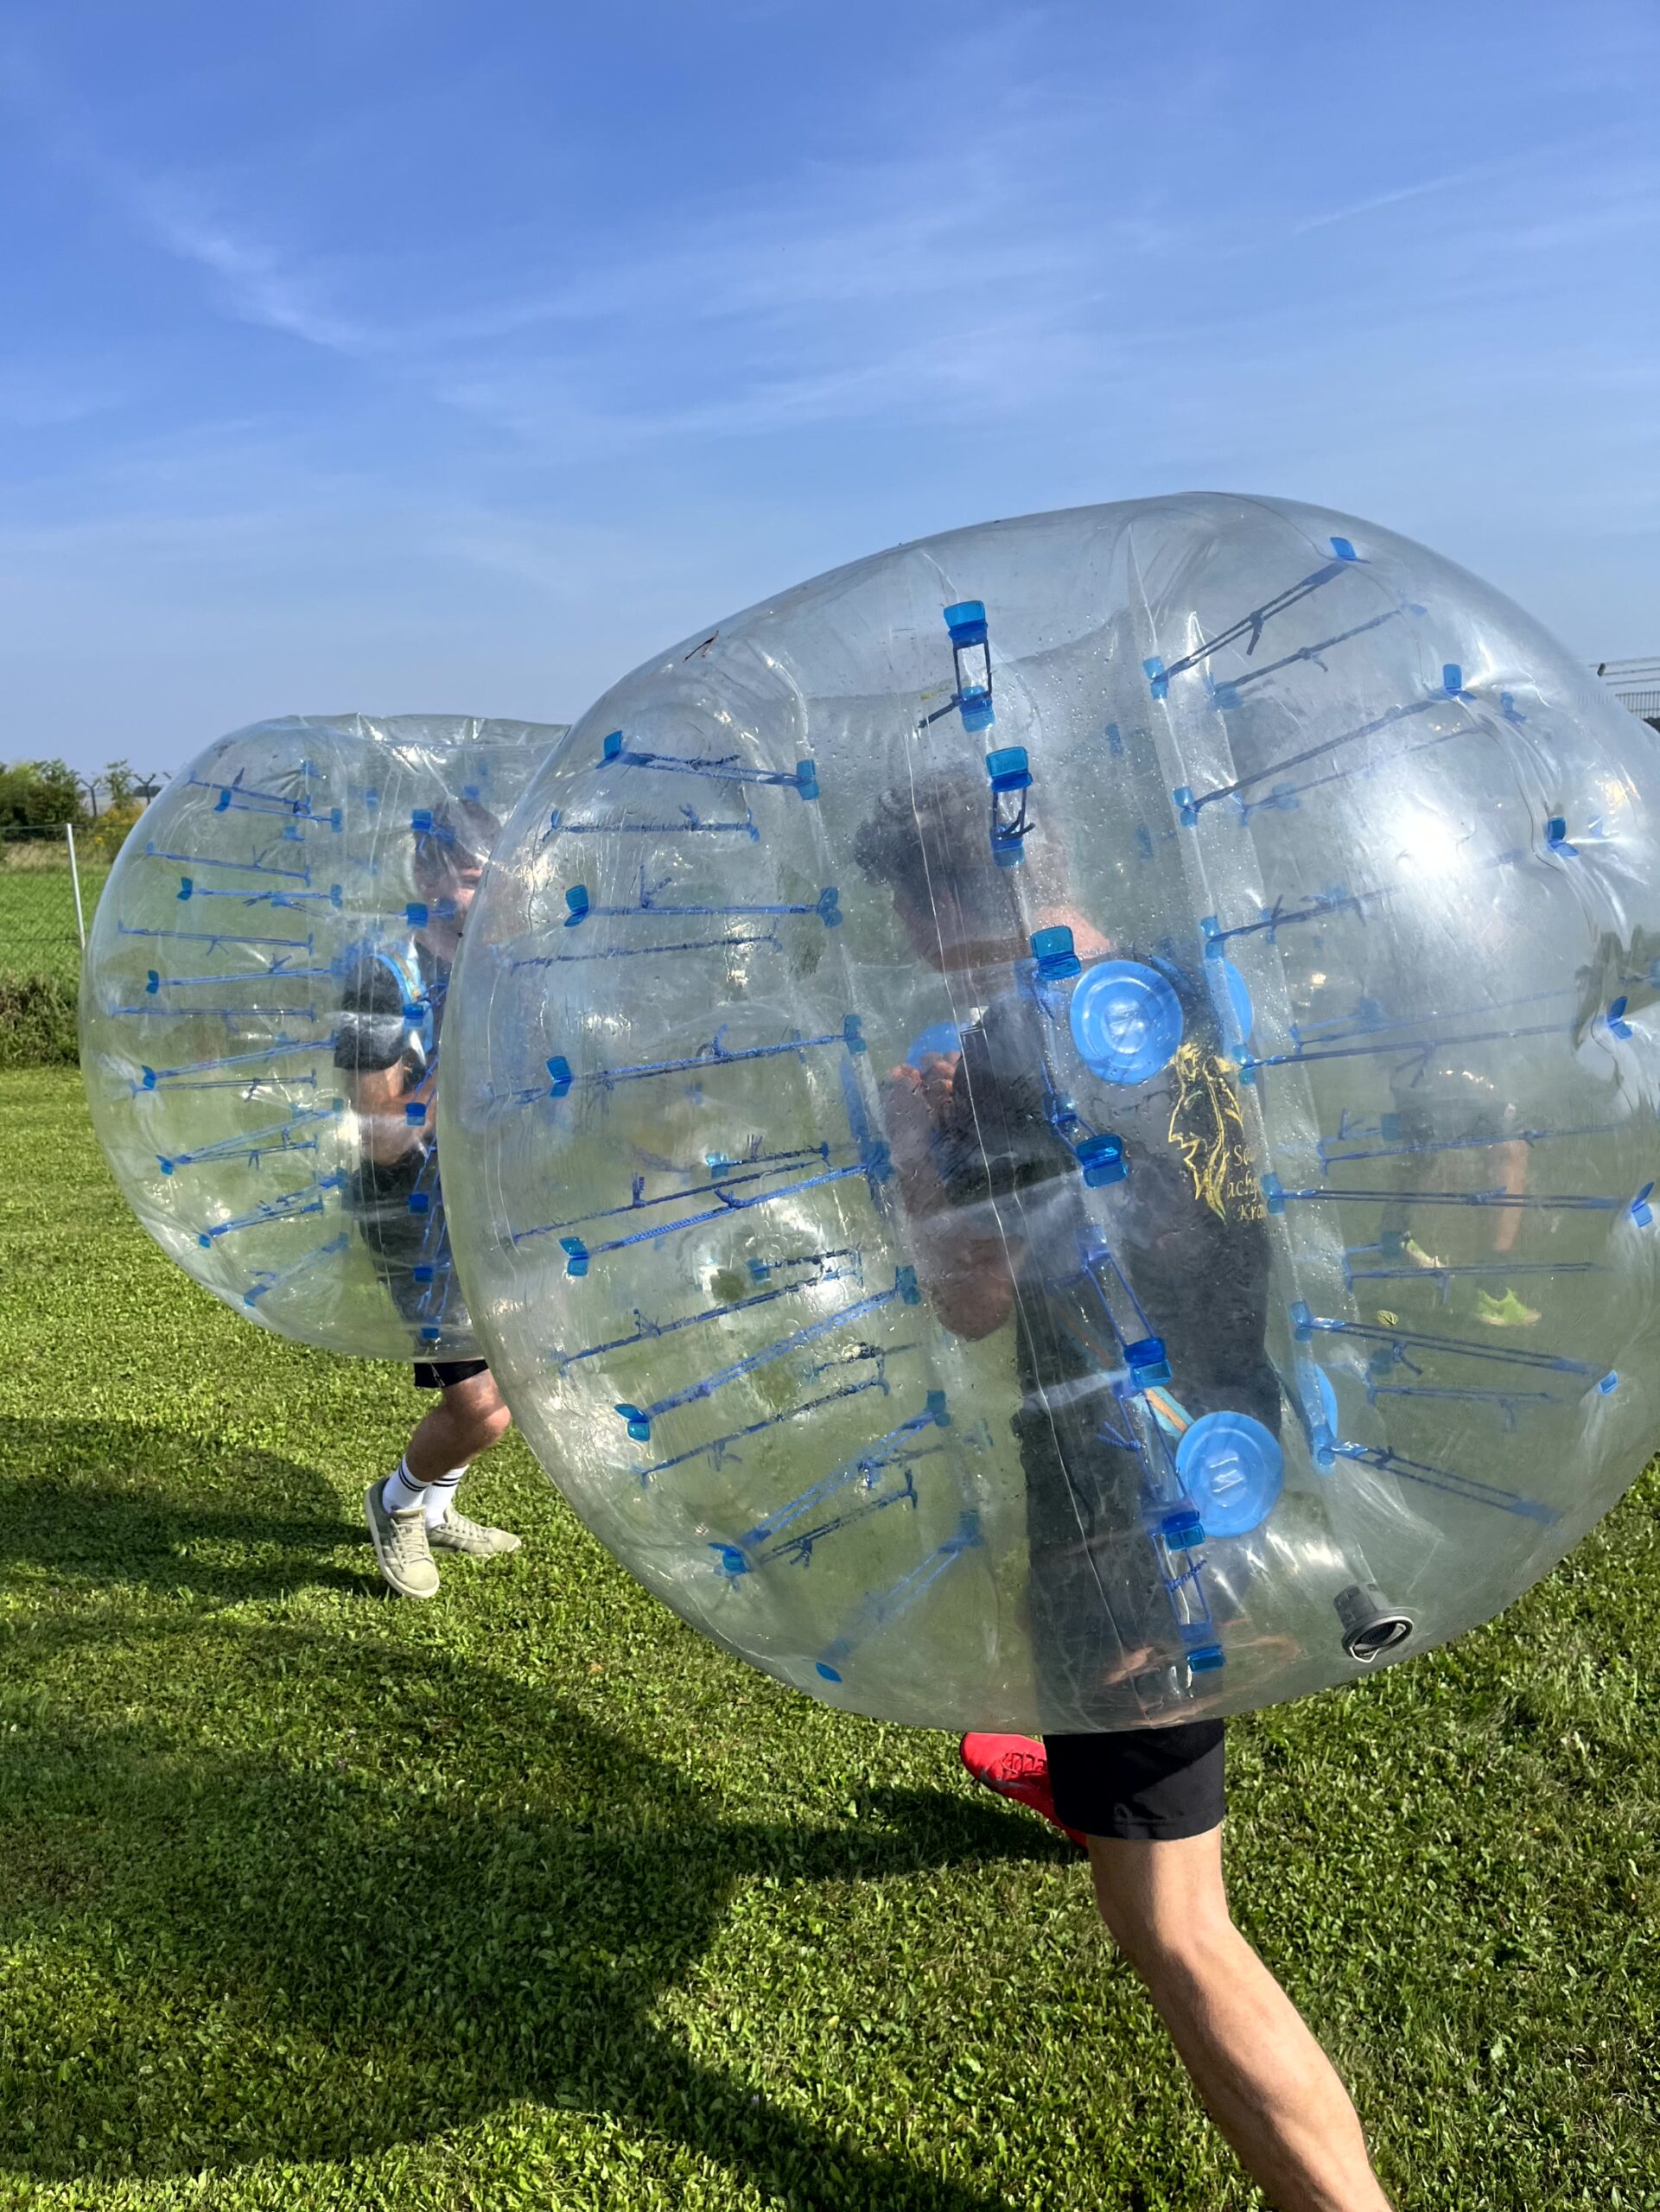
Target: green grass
[
  {"x": 37, "y": 915},
  {"x": 529, "y": 1898},
  {"x": 39, "y": 953}
]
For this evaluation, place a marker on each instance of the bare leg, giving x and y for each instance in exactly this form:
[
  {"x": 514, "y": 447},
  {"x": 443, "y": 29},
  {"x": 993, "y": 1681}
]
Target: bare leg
[
  {"x": 1263, "y": 2079},
  {"x": 469, "y": 1418}
]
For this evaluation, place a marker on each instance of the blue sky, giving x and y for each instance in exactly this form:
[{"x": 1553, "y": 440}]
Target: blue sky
[{"x": 407, "y": 356}]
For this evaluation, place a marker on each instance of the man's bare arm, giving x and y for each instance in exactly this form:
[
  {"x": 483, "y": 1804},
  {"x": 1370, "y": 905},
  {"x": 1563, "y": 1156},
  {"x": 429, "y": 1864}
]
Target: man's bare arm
[
  {"x": 379, "y": 1098},
  {"x": 964, "y": 1272}
]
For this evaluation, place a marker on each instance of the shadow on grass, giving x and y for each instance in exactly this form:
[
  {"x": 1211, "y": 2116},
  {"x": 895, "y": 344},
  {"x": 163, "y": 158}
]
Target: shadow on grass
[
  {"x": 416, "y": 1894},
  {"x": 120, "y": 1504}
]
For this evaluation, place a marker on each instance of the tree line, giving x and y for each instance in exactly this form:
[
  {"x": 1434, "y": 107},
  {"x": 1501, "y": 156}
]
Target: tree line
[{"x": 46, "y": 794}]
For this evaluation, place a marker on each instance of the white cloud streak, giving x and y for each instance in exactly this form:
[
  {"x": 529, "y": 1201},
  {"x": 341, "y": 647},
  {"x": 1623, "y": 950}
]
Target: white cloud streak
[
  {"x": 250, "y": 277},
  {"x": 876, "y": 289},
  {"x": 1422, "y": 189}
]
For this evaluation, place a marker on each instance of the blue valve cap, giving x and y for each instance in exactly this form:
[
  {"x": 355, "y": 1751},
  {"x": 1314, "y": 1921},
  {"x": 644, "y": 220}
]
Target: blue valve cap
[
  {"x": 1126, "y": 1021},
  {"x": 1232, "y": 1468}
]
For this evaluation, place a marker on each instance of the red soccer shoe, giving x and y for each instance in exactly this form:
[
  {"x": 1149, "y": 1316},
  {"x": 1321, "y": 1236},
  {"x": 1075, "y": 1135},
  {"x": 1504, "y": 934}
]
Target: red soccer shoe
[{"x": 1018, "y": 1768}]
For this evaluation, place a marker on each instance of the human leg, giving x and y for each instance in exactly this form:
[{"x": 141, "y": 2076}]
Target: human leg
[
  {"x": 471, "y": 1415},
  {"x": 412, "y": 1512},
  {"x": 1148, "y": 1804},
  {"x": 1260, "y": 2074},
  {"x": 1151, "y": 1802}
]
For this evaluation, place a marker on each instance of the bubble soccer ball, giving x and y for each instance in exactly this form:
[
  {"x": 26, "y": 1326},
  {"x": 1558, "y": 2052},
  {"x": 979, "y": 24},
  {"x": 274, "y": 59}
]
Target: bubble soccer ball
[
  {"x": 261, "y": 1000},
  {"x": 1055, "y": 1128}
]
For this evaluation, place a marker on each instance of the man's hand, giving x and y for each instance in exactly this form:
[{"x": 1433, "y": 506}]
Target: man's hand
[
  {"x": 967, "y": 1275},
  {"x": 932, "y": 1083},
  {"x": 916, "y": 1102}
]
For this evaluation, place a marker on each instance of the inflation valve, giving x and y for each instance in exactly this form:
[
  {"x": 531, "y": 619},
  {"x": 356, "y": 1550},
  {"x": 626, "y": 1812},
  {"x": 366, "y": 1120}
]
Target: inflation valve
[{"x": 1371, "y": 1625}]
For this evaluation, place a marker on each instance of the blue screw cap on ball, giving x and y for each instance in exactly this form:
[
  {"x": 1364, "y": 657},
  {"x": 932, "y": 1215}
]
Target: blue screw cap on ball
[
  {"x": 1126, "y": 1021},
  {"x": 1232, "y": 1468}
]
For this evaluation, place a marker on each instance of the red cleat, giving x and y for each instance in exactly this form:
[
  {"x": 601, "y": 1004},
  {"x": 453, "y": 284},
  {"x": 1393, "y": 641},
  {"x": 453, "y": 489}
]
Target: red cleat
[{"x": 1018, "y": 1768}]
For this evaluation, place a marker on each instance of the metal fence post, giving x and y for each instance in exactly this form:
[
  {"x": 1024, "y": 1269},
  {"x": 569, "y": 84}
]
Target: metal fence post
[{"x": 75, "y": 878}]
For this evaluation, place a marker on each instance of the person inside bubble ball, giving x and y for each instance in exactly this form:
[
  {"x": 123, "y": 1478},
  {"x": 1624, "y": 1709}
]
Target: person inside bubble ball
[
  {"x": 385, "y": 1047},
  {"x": 993, "y": 1197}
]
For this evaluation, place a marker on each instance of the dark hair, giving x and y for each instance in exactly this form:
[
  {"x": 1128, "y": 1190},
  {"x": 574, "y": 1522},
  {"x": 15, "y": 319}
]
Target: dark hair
[
  {"x": 458, "y": 835},
  {"x": 936, "y": 830}
]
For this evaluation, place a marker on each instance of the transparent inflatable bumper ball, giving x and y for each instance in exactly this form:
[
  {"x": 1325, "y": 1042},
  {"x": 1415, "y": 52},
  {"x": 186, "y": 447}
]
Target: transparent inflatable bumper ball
[
  {"x": 1056, "y": 1128},
  {"x": 262, "y": 1001}
]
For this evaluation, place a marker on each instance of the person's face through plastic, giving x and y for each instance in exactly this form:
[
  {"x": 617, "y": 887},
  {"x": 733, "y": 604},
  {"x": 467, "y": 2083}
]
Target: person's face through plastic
[
  {"x": 449, "y": 888},
  {"x": 952, "y": 933},
  {"x": 463, "y": 888}
]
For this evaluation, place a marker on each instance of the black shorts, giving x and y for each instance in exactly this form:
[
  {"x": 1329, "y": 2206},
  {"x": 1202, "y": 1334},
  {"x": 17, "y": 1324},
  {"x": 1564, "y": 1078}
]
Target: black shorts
[
  {"x": 439, "y": 1374},
  {"x": 1143, "y": 1785}
]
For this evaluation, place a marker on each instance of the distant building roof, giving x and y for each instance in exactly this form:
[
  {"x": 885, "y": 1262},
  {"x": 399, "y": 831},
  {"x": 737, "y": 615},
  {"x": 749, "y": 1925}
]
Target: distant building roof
[{"x": 1635, "y": 683}]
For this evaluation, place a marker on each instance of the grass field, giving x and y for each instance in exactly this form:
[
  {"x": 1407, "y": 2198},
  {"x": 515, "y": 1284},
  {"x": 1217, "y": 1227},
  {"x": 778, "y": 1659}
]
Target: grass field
[
  {"x": 529, "y": 1899},
  {"x": 37, "y": 911}
]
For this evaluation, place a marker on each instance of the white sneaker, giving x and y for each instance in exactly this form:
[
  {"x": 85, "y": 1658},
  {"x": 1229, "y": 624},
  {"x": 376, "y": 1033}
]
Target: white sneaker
[
  {"x": 455, "y": 1533},
  {"x": 400, "y": 1543}
]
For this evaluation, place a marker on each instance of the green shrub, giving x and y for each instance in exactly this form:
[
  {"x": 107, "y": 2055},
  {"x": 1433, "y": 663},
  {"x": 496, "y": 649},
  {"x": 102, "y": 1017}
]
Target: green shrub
[
  {"x": 108, "y": 834},
  {"x": 37, "y": 1021}
]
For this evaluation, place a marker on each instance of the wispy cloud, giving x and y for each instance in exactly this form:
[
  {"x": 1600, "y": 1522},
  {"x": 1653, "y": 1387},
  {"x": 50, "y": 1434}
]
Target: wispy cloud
[
  {"x": 178, "y": 214},
  {"x": 1422, "y": 189},
  {"x": 875, "y": 285},
  {"x": 251, "y": 280},
  {"x": 864, "y": 291}
]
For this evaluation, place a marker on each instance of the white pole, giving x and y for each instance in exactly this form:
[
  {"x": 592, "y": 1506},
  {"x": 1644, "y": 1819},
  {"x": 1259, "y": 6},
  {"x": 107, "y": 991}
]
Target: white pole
[{"x": 75, "y": 878}]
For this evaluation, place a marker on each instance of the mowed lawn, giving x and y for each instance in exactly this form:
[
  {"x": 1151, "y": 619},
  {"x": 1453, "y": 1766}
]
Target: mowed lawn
[
  {"x": 528, "y": 1898},
  {"x": 37, "y": 911}
]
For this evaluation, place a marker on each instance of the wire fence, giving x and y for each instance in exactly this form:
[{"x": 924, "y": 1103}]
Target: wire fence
[
  {"x": 1636, "y": 684},
  {"x": 49, "y": 884},
  {"x": 51, "y": 875}
]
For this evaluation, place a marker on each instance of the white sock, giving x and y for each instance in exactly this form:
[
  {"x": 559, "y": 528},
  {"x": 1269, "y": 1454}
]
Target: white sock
[
  {"x": 440, "y": 1496},
  {"x": 400, "y": 1491}
]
